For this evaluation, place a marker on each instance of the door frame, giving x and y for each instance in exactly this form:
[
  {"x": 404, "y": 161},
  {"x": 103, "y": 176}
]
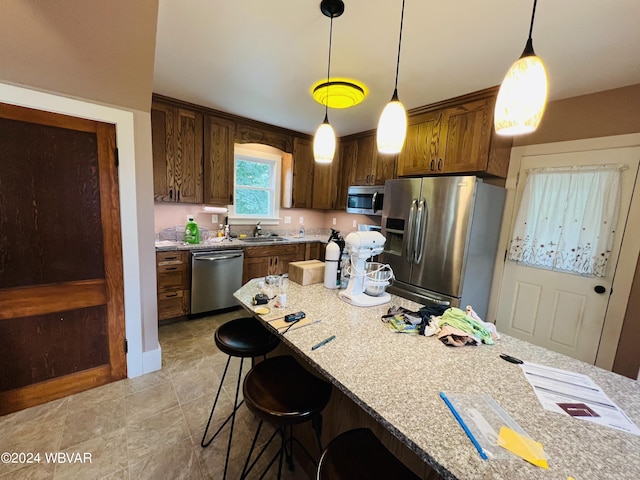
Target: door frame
[
  {"x": 136, "y": 201},
  {"x": 629, "y": 249}
]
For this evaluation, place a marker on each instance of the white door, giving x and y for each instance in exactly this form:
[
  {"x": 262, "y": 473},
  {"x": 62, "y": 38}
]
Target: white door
[{"x": 562, "y": 311}]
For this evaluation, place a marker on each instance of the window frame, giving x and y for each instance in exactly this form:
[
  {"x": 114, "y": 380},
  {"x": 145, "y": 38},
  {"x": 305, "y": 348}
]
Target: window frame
[{"x": 255, "y": 155}]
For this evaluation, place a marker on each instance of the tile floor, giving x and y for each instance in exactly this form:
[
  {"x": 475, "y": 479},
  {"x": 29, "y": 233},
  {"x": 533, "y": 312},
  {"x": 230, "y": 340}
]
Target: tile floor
[{"x": 148, "y": 427}]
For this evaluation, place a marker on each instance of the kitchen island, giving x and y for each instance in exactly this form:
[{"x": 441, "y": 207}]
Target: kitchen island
[{"x": 396, "y": 379}]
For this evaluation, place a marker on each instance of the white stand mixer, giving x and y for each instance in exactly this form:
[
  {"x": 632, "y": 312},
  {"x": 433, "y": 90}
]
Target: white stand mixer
[{"x": 361, "y": 246}]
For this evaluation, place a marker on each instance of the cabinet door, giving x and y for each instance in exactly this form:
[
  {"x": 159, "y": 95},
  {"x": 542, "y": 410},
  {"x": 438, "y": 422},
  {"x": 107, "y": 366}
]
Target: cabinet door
[
  {"x": 348, "y": 152},
  {"x": 325, "y": 180},
  {"x": 423, "y": 145},
  {"x": 469, "y": 128},
  {"x": 303, "y": 165},
  {"x": 218, "y": 161},
  {"x": 254, "y": 267},
  {"x": 177, "y": 154},
  {"x": 282, "y": 262},
  {"x": 163, "y": 143},
  {"x": 188, "y": 156},
  {"x": 366, "y": 155},
  {"x": 385, "y": 168}
]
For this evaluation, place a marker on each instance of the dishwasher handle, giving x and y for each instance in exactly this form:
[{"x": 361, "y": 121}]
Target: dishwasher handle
[{"x": 219, "y": 257}]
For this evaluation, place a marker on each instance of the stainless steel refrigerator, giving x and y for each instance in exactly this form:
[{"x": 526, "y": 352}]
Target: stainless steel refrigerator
[{"x": 441, "y": 239}]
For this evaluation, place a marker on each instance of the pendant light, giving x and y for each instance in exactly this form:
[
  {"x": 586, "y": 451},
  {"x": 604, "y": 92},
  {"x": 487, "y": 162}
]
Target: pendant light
[
  {"x": 523, "y": 94},
  {"x": 324, "y": 142},
  {"x": 392, "y": 126}
]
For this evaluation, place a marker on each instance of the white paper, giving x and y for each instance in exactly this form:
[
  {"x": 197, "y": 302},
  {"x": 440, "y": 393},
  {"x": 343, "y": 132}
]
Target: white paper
[{"x": 554, "y": 386}]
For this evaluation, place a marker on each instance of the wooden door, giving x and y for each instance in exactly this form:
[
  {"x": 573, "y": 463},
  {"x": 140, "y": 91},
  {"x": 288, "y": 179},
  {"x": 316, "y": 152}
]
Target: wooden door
[
  {"x": 558, "y": 310},
  {"x": 62, "y": 326},
  {"x": 303, "y": 164},
  {"x": 218, "y": 161},
  {"x": 468, "y": 137},
  {"x": 425, "y": 141}
]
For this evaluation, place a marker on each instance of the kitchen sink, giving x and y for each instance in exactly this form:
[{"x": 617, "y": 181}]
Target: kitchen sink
[{"x": 265, "y": 239}]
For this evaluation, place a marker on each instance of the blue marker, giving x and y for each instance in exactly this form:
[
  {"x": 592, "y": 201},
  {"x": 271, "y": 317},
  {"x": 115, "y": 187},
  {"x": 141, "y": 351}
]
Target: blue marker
[{"x": 323, "y": 342}]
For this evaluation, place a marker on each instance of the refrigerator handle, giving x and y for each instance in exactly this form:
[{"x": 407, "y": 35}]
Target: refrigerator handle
[
  {"x": 409, "y": 245},
  {"x": 416, "y": 236},
  {"x": 423, "y": 213}
]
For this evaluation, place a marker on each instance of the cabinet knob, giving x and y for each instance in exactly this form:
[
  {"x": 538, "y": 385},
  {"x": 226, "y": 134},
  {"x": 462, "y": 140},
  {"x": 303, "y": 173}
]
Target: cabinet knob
[
  {"x": 432, "y": 165},
  {"x": 599, "y": 289},
  {"x": 171, "y": 193},
  {"x": 439, "y": 164}
]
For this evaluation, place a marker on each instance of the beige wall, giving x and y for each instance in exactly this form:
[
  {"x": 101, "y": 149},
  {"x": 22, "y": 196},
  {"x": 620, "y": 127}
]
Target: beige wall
[
  {"x": 613, "y": 112},
  {"x": 92, "y": 49}
]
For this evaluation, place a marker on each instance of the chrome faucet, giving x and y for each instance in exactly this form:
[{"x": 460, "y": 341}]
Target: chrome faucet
[{"x": 257, "y": 230}]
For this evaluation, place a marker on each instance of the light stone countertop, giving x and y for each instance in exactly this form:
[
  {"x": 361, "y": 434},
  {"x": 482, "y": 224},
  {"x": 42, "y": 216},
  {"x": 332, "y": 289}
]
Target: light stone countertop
[
  {"x": 397, "y": 378},
  {"x": 235, "y": 243}
]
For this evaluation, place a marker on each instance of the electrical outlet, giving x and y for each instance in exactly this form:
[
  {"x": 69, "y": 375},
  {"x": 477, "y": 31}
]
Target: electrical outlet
[
  {"x": 355, "y": 223},
  {"x": 287, "y": 219},
  {"x": 301, "y": 221},
  {"x": 334, "y": 220},
  {"x": 214, "y": 218}
]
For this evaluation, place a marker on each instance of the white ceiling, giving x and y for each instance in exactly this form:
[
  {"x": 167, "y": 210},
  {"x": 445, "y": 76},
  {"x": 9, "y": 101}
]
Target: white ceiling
[{"x": 258, "y": 58}]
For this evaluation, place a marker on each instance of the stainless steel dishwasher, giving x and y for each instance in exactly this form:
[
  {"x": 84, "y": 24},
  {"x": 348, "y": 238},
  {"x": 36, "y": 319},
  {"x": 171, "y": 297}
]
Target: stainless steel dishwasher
[{"x": 215, "y": 275}]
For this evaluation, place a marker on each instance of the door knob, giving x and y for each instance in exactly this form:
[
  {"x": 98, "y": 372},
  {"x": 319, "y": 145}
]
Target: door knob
[{"x": 599, "y": 289}]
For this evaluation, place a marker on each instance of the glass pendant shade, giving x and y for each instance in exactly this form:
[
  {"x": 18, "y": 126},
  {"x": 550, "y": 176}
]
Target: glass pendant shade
[
  {"x": 522, "y": 97},
  {"x": 324, "y": 143},
  {"x": 392, "y": 127}
]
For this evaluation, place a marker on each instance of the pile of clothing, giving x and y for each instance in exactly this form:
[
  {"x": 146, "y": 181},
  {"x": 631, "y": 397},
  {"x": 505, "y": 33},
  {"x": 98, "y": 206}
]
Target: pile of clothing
[
  {"x": 453, "y": 326},
  {"x": 458, "y": 327}
]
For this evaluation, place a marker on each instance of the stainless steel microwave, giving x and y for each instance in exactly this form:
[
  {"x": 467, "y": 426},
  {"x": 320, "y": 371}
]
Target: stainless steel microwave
[{"x": 365, "y": 200}]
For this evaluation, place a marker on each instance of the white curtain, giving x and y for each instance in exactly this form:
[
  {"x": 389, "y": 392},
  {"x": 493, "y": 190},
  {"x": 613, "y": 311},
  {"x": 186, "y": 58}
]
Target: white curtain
[{"x": 566, "y": 219}]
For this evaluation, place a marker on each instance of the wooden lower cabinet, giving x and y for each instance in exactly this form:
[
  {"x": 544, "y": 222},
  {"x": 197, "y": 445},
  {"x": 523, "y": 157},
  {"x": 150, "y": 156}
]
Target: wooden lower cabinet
[
  {"x": 315, "y": 251},
  {"x": 173, "y": 275},
  {"x": 270, "y": 260}
]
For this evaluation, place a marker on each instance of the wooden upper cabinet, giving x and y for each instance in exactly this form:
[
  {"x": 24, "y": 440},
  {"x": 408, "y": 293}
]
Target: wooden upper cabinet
[
  {"x": 424, "y": 144},
  {"x": 348, "y": 154},
  {"x": 325, "y": 184},
  {"x": 303, "y": 167},
  {"x": 365, "y": 158},
  {"x": 218, "y": 160},
  {"x": 177, "y": 154},
  {"x": 263, "y": 134},
  {"x": 468, "y": 137},
  {"x": 458, "y": 137},
  {"x": 364, "y": 165}
]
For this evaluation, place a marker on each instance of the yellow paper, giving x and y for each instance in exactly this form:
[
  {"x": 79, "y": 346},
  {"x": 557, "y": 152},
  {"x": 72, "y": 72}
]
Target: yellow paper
[{"x": 523, "y": 447}]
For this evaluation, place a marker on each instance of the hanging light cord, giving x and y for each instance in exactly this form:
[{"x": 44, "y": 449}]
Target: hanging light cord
[
  {"x": 326, "y": 106},
  {"x": 533, "y": 15},
  {"x": 395, "y": 87}
]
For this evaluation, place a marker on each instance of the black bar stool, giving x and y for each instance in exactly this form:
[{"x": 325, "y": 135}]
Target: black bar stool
[
  {"x": 282, "y": 393},
  {"x": 359, "y": 455},
  {"x": 244, "y": 338}
]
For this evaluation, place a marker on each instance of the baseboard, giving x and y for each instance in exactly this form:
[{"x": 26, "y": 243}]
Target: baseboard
[{"x": 152, "y": 360}]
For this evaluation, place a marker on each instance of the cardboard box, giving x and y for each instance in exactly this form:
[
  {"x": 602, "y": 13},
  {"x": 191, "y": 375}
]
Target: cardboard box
[{"x": 306, "y": 272}]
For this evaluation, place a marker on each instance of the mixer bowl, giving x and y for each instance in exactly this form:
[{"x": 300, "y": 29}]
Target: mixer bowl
[{"x": 377, "y": 276}]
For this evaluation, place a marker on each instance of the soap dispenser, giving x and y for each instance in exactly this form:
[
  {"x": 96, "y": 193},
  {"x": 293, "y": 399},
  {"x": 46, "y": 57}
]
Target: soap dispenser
[{"x": 191, "y": 231}]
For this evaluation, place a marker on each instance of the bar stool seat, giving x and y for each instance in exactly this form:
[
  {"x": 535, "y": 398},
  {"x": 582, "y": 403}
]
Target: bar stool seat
[
  {"x": 359, "y": 455},
  {"x": 244, "y": 337},
  {"x": 282, "y": 393}
]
